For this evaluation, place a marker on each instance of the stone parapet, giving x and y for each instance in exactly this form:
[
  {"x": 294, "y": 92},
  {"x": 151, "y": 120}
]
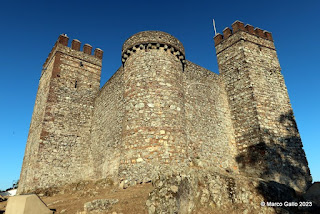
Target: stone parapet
[
  {"x": 153, "y": 40},
  {"x": 238, "y": 26},
  {"x": 62, "y": 46}
]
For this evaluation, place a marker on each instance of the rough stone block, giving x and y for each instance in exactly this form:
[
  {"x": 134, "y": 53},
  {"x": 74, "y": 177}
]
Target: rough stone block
[{"x": 27, "y": 204}]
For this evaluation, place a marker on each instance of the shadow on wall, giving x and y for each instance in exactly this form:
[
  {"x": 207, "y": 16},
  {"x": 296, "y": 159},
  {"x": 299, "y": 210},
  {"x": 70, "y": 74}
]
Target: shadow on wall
[{"x": 278, "y": 158}]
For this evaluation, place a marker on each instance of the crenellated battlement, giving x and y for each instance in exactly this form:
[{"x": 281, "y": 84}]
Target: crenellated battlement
[
  {"x": 238, "y": 26},
  {"x": 63, "y": 41},
  {"x": 153, "y": 40}
]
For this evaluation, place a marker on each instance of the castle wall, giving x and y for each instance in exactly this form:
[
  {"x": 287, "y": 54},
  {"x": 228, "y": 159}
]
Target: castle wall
[
  {"x": 208, "y": 127},
  {"x": 105, "y": 138},
  {"x": 210, "y": 136}
]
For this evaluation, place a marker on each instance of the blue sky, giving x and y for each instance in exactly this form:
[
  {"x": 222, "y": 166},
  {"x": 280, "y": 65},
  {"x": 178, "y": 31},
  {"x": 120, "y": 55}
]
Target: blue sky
[{"x": 29, "y": 29}]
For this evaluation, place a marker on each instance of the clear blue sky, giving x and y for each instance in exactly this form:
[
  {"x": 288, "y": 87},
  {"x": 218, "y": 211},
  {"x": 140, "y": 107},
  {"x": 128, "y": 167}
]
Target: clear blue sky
[{"x": 29, "y": 29}]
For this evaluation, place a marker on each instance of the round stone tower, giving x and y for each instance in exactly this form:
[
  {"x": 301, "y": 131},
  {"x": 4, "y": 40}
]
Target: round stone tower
[{"x": 153, "y": 134}]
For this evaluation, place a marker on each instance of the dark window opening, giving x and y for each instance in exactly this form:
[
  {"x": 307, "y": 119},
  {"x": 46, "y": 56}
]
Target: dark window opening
[
  {"x": 75, "y": 85},
  {"x": 81, "y": 64}
]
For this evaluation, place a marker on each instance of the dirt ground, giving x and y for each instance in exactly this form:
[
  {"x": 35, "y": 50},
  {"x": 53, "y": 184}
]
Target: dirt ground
[{"x": 71, "y": 199}]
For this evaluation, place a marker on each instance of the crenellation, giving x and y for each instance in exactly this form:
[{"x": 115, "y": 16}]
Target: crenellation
[
  {"x": 268, "y": 35},
  {"x": 87, "y": 49},
  {"x": 218, "y": 38},
  {"x": 98, "y": 53},
  {"x": 61, "y": 46},
  {"x": 238, "y": 27},
  {"x": 240, "y": 37},
  {"x": 76, "y": 44},
  {"x": 227, "y": 32},
  {"x": 250, "y": 29},
  {"x": 63, "y": 39},
  {"x": 260, "y": 33},
  {"x": 161, "y": 113}
]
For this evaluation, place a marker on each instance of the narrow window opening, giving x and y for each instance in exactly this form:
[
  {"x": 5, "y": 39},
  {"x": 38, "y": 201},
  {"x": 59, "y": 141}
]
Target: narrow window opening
[
  {"x": 81, "y": 64},
  {"x": 75, "y": 85}
]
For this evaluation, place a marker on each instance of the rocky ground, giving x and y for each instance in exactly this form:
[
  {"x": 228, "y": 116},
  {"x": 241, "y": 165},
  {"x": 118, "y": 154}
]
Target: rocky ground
[
  {"x": 195, "y": 191},
  {"x": 97, "y": 197}
]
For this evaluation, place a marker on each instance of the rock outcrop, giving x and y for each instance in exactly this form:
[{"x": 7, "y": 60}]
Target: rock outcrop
[{"x": 208, "y": 191}]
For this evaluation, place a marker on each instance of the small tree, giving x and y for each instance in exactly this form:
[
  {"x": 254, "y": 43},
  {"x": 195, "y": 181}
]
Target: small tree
[{"x": 15, "y": 184}]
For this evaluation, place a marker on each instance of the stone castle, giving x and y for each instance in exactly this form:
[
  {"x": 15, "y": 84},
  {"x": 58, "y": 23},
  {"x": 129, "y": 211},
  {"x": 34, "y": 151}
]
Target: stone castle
[{"x": 161, "y": 112}]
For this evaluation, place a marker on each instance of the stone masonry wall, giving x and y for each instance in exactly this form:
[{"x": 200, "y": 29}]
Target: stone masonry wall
[
  {"x": 279, "y": 129},
  {"x": 107, "y": 123},
  {"x": 267, "y": 138},
  {"x": 32, "y": 147},
  {"x": 208, "y": 121},
  {"x": 151, "y": 113}
]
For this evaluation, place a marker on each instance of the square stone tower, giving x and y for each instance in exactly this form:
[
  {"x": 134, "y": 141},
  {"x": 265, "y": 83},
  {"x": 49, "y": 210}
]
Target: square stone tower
[
  {"x": 266, "y": 133},
  {"x": 57, "y": 147}
]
